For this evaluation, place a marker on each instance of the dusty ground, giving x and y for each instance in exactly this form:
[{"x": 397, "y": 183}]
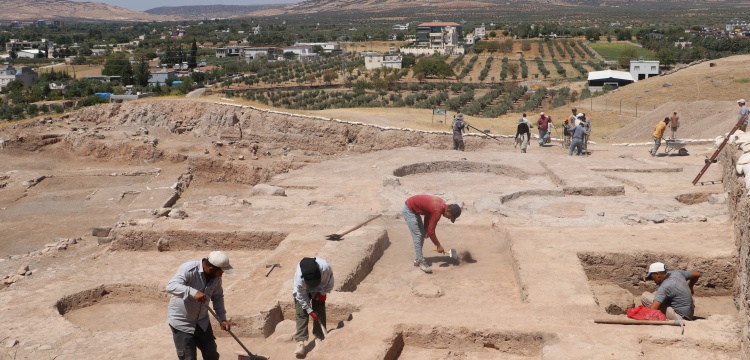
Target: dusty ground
[{"x": 556, "y": 241}]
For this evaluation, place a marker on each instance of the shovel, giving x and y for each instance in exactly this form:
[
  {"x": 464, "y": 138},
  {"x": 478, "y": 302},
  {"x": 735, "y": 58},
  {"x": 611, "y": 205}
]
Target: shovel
[
  {"x": 340, "y": 236},
  {"x": 250, "y": 355}
]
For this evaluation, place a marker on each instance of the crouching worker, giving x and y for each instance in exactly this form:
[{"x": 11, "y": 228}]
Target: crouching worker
[
  {"x": 312, "y": 281},
  {"x": 675, "y": 294},
  {"x": 195, "y": 285},
  {"x": 432, "y": 207}
]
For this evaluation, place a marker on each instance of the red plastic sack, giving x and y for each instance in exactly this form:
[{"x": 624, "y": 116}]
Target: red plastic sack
[{"x": 643, "y": 313}]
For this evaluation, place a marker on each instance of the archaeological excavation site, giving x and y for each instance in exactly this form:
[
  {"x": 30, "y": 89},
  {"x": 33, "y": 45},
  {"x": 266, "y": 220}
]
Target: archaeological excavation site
[{"x": 99, "y": 208}]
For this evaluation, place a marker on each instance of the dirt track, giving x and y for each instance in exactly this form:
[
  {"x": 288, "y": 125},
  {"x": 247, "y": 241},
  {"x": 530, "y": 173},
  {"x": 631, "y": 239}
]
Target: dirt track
[{"x": 527, "y": 219}]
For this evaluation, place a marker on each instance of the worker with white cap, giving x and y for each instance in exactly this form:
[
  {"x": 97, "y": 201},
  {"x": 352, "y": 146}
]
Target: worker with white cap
[
  {"x": 195, "y": 284},
  {"x": 742, "y": 116},
  {"x": 675, "y": 294}
]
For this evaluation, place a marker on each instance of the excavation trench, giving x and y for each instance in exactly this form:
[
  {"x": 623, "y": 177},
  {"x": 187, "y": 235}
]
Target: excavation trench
[
  {"x": 103, "y": 308},
  {"x": 617, "y": 280},
  {"x": 460, "y": 166},
  {"x": 423, "y": 341},
  {"x": 175, "y": 240}
]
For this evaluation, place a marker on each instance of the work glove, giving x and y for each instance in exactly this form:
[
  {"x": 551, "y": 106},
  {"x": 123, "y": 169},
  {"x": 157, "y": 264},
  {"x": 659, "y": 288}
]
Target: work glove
[
  {"x": 439, "y": 250},
  {"x": 321, "y": 297},
  {"x": 315, "y": 316}
]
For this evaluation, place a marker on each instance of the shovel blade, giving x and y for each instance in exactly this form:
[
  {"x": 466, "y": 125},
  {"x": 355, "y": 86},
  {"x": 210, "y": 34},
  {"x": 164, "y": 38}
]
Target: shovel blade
[
  {"x": 333, "y": 237},
  {"x": 453, "y": 253}
]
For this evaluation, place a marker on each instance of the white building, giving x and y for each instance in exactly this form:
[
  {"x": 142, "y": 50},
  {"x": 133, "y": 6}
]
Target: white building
[
  {"x": 642, "y": 69},
  {"x": 614, "y": 79},
  {"x": 302, "y": 52},
  {"x": 480, "y": 31},
  {"x": 223, "y": 52},
  {"x": 375, "y": 60},
  {"x": 252, "y": 53},
  {"x": 436, "y": 37},
  {"x": 328, "y": 47}
]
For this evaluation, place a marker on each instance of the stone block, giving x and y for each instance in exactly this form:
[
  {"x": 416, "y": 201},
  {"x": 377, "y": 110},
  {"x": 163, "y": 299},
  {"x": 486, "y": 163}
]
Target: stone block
[
  {"x": 104, "y": 240},
  {"x": 101, "y": 231},
  {"x": 267, "y": 190}
]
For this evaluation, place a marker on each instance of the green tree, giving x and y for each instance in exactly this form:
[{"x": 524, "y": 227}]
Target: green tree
[
  {"x": 193, "y": 60},
  {"x": 625, "y": 56},
  {"x": 433, "y": 66},
  {"x": 408, "y": 60},
  {"x": 142, "y": 74},
  {"x": 666, "y": 56},
  {"x": 329, "y": 76}
]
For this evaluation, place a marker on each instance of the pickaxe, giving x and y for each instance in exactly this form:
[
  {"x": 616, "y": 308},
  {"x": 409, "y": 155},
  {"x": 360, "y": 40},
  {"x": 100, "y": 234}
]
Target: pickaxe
[
  {"x": 678, "y": 322},
  {"x": 271, "y": 266}
]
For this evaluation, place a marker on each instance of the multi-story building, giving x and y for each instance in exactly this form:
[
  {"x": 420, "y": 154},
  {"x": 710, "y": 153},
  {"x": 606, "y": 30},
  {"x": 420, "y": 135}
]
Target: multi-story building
[
  {"x": 436, "y": 37},
  {"x": 16, "y": 45},
  {"x": 9, "y": 73},
  {"x": 223, "y": 52}
]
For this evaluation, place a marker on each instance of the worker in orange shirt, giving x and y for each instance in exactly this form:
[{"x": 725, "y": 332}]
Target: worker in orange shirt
[{"x": 658, "y": 135}]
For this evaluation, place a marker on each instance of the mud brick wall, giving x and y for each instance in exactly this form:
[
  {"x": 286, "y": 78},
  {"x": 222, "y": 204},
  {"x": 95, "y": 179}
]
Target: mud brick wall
[{"x": 739, "y": 209}]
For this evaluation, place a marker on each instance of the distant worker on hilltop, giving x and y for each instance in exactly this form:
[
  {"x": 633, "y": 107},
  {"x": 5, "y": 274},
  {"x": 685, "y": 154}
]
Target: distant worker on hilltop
[
  {"x": 674, "y": 123},
  {"x": 742, "y": 116},
  {"x": 458, "y": 127},
  {"x": 658, "y": 135}
]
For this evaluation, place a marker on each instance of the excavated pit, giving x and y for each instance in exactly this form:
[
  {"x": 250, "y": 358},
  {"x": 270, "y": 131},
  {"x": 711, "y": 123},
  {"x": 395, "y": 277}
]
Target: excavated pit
[
  {"x": 438, "y": 342},
  {"x": 617, "y": 279},
  {"x": 693, "y": 198},
  {"x": 655, "y": 348},
  {"x": 460, "y": 166},
  {"x": 103, "y": 308},
  {"x": 264, "y": 323},
  {"x": 176, "y": 240}
]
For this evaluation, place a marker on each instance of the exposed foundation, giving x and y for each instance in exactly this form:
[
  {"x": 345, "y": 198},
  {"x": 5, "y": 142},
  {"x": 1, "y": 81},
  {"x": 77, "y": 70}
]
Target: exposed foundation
[
  {"x": 460, "y": 166},
  {"x": 149, "y": 240},
  {"x": 432, "y": 342}
]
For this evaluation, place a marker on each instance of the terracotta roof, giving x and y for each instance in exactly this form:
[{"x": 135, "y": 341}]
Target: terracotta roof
[{"x": 439, "y": 24}]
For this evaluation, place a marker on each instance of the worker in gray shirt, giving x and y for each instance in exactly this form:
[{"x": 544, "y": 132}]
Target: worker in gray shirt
[
  {"x": 675, "y": 294},
  {"x": 576, "y": 138},
  {"x": 195, "y": 284},
  {"x": 313, "y": 280}
]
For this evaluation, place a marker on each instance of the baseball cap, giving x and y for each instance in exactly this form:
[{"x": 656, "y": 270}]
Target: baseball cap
[
  {"x": 580, "y": 115},
  {"x": 655, "y": 268},
  {"x": 455, "y": 211},
  {"x": 541, "y": 113},
  {"x": 741, "y": 101},
  {"x": 221, "y": 260},
  {"x": 310, "y": 272}
]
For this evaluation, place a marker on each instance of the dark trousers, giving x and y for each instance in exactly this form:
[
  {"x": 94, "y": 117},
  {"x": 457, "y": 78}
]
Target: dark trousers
[
  {"x": 303, "y": 319},
  {"x": 458, "y": 141},
  {"x": 186, "y": 344}
]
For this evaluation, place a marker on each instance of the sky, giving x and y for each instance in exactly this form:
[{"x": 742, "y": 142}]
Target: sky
[{"x": 141, "y": 5}]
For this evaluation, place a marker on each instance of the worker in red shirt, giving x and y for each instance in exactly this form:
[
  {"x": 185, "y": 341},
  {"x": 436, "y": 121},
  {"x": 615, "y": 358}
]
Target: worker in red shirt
[{"x": 431, "y": 207}]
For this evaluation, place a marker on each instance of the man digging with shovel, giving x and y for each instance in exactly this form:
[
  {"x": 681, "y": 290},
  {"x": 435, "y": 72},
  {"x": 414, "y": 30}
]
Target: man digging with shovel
[
  {"x": 312, "y": 281},
  {"x": 432, "y": 207},
  {"x": 192, "y": 287}
]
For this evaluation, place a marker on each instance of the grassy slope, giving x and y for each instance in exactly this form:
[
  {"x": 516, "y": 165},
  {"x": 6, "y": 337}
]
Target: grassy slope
[{"x": 612, "y": 51}]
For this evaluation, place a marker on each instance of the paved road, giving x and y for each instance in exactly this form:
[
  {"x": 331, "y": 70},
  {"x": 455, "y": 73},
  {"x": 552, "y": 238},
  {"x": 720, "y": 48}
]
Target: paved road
[{"x": 196, "y": 93}]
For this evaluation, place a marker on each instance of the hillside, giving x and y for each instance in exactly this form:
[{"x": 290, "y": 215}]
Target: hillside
[
  {"x": 24, "y": 10},
  {"x": 209, "y": 11}
]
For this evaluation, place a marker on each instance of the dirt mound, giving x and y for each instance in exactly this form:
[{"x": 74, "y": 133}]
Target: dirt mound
[{"x": 704, "y": 119}]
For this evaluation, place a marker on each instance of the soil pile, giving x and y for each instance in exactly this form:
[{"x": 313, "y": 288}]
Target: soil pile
[{"x": 703, "y": 119}]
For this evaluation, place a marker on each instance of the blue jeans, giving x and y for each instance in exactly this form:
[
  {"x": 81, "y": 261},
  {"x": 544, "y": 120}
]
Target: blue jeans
[
  {"x": 576, "y": 143},
  {"x": 416, "y": 227},
  {"x": 542, "y": 136}
]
